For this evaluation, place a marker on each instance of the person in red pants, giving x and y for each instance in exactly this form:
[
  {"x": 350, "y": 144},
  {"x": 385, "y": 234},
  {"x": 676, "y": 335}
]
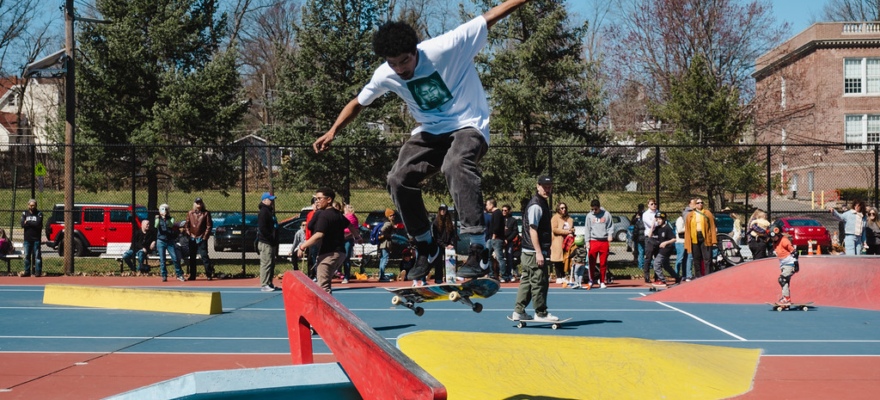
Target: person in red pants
[{"x": 600, "y": 230}]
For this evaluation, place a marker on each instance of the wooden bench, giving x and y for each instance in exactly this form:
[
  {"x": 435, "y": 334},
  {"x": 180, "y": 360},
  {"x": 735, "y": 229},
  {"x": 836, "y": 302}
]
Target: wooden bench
[{"x": 17, "y": 254}]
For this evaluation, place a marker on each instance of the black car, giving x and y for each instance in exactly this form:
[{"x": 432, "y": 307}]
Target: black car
[
  {"x": 228, "y": 235},
  {"x": 378, "y": 217},
  {"x": 288, "y": 228}
]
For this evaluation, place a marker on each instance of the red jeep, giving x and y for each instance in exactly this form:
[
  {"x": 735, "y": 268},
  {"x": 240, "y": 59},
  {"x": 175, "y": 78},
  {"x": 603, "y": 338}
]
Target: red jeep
[{"x": 95, "y": 225}]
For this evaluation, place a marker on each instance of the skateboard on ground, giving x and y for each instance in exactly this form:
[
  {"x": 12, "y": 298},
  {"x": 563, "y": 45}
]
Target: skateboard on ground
[
  {"x": 522, "y": 323},
  {"x": 802, "y": 306},
  {"x": 656, "y": 288},
  {"x": 460, "y": 292}
]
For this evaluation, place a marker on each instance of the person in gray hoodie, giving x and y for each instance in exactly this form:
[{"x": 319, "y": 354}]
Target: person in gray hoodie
[{"x": 600, "y": 231}]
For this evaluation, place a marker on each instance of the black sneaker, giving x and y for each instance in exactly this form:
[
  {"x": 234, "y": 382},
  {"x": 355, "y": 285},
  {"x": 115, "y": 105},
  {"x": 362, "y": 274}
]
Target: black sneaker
[
  {"x": 477, "y": 263},
  {"x": 427, "y": 255}
]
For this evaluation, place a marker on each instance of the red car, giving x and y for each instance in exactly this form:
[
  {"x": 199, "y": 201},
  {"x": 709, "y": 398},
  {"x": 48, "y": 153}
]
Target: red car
[
  {"x": 804, "y": 229},
  {"x": 95, "y": 225}
]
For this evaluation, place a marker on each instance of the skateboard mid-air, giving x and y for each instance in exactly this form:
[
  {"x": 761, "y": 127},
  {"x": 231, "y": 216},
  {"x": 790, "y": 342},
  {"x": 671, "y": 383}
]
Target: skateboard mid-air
[
  {"x": 460, "y": 292},
  {"x": 791, "y": 306}
]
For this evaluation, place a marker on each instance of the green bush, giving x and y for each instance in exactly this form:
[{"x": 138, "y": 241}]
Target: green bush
[{"x": 849, "y": 194}]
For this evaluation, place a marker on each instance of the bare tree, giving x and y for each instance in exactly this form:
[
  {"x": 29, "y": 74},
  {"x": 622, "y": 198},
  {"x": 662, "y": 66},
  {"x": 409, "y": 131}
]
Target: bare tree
[
  {"x": 16, "y": 17},
  {"x": 654, "y": 41},
  {"x": 851, "y": 10}
]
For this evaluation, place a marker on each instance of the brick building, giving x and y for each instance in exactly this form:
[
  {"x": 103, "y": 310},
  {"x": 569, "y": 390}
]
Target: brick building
[{"x": 821, "y": 86}]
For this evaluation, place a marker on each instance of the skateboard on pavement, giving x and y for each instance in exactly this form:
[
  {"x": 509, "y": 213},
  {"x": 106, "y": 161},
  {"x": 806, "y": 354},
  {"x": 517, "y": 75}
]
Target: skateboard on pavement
[
  {"x": 460, "y": 292},
  {"x": 523, "y": 323},
  {"x": 802, "y": 306},
  {"x": 656, "y": 288}
]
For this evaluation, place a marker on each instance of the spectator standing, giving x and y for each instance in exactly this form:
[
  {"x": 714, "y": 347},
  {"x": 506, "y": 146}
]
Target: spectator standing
[
  {"x": 563, "y": 226},
  {"x": 496, "y": 240},
  {"x": 32, "y": 222},
  {"x": 511, "y": 237},
  {"x": 267, "y": 241},
  {"x": 737, "y": 228},
  {"x": 166, "y": 235},
  {"x": 438, "y": 81},
  {"x": 181, "y": 243},
  {"x": 198, "y": 230},
  {"x": 536, "y": 242},
  {"x": 600, "y": 231},
  {"x": 143, "y": 239},
  {"x": 872, "y": 232},
  {"x": 650, "y": 245},
  {"x": 298, "y": 239},
  {"x": 757, "y": 234},
  {"x": 683, "y": 263},
  {"x": 854, "y": 227},
  {"x": 386, "y": 243},
  {"x": 328, "y": 232},
  {"x": 443, "y": 230},
  {"x": 349, "y": 242},
  {"x": 638, "y": 236},
  {"x": 6, "y": 246},
  {"x": 700, "y": 238},
  {"x": 664, "y": 238}
]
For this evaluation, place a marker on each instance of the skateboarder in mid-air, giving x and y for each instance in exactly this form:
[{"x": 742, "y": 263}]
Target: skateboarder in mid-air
[
  {"x": 787, "y": 261},
  {"x": 440, "y": 85}
]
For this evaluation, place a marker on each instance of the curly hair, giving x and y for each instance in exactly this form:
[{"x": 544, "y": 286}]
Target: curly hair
[{"x": 395, "y": 38}]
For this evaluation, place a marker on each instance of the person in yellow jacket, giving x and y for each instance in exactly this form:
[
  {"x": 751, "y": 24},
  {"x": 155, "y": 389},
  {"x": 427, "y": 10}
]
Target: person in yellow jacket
[{"x": 700, "y": 237}]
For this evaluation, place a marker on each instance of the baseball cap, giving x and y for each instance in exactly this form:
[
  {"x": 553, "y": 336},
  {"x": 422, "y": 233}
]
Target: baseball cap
[
  {"x": 267, "y": 195},
  {"x": 197, "y": 200},
  {"x": 443, "y": 206},
  {"x": 389, "y": 212},
  {"x": 545, "y": 180},
  {"x": 660, "y": 215}
]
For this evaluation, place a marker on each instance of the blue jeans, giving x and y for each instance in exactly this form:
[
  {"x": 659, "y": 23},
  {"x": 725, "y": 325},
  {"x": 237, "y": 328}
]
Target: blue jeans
[
  {"x": 383, "y": 262},
  {"x": 640, "y": 247},
  {"x": 497, "y": 246},
  {"x": 683, "y": 262},
  {"x": 161, "y": 245},
  {"x": 32, "y": 250},
  {"x": 346, "y": 264},
  {"x": 852, "y": 243},
  {"x": 129, "y": 257},
  {"x": 510, "y": 269}
]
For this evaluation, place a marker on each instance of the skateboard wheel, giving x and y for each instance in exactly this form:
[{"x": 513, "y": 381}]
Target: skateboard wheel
[
  {"x": 419, "y": 311},
  {"x": 805, "y": 308},
  {"x": 478, "y": 307},
  {"x": 454, "y": 296},
  {"x": 555, "y": 326},
  {"x": 396, "y": 300},
  {"x": 521, "y": 324},
  {"x": 779, "y": 308}
]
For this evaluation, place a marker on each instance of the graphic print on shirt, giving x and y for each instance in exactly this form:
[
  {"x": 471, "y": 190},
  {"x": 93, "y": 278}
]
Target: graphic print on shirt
[{"x": 430, "y": 92}]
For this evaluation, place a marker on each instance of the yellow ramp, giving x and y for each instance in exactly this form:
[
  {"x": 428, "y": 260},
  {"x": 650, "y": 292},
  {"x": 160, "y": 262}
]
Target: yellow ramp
[
  {"x": 509, "y": 366},
  {"x": 176, "y": 301}
]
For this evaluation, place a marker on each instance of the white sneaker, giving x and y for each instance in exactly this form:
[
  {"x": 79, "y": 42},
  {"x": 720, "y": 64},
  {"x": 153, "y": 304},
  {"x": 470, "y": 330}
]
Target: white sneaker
[
  {"x": 560, "y": 281},
  {"x": 602, "y": 285},
  {"x": 344, "y": 281},
  {"x": 548, "y": 318},
  {"x": 521, "y": 317},
  {"x": 267, "y": 288}
]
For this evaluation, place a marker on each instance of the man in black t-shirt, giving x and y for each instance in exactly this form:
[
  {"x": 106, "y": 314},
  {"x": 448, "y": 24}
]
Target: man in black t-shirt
[
  {"x": 663, "y": 235},
  {"x": 328, "y": 226}
]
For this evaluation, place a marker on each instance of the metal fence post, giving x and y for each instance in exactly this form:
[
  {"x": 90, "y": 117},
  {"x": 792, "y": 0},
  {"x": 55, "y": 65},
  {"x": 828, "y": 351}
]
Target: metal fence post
[
  {"x": 346, "y": 195},
  {"x": 657, "y": 174},
  {"x": 34, "y": 170},
  {"x": 876, "y": 178},
  {"x": 133, "y": 178},
  {"x": 550, "y": 172},
  {"x": 243, "y": 190},
  {"x": 769, "y": 188}
]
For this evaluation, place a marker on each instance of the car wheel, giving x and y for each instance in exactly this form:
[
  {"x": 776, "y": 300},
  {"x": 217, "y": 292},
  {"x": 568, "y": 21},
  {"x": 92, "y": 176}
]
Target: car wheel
[
  {"x": 620, "y": 236},
  {"x": 79, "y": 249}
]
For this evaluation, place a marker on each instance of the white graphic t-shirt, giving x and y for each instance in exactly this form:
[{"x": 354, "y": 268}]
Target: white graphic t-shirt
[{"x": 445, "y": 93}]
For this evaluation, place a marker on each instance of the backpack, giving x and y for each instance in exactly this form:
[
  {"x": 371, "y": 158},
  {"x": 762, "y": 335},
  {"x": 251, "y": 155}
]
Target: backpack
[{"x": 376, "y": 234}]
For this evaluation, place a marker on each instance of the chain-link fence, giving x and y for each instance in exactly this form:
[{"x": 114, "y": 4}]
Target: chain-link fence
[{"x": 802, "y": 180}]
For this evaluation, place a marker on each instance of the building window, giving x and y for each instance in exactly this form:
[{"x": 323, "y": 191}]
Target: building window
[
  {"x": 861, "y": 76},
  {"x": 861, "y": 130}
]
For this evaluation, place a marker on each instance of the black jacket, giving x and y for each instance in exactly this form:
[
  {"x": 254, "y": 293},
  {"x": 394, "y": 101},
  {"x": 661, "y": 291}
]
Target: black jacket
[
  {"x": 544, "y": 230},
  {"x": 139, "y": 240},
  {"x": 266, "y": 225},
  {"x": 496, "y": 225},
  {"x": 32, "y": 222},
  {"x": 510, "y": 229}
]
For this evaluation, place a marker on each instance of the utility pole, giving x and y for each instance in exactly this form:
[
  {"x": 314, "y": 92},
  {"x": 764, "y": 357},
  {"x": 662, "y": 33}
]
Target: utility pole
[{"x": 69, "y": 140}]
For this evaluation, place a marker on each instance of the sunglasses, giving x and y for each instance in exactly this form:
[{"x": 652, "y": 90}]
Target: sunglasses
[{"x": 699, "y": 202}]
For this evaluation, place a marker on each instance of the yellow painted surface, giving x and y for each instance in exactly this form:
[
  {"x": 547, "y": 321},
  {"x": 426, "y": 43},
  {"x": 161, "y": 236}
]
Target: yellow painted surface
[
  {"x": 512, "y": 366},
  {"x": 176, "y": 301}
]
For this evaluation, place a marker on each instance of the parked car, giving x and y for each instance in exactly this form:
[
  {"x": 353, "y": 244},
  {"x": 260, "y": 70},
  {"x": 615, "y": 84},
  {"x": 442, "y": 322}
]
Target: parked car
[
  {"x": 804, "y": 229},
  {"x": 378, "y": 217},
  {"x": 288, "y": 228},
  {"x": 95, "y": 225},
  {"x": 228, "y": 236},
  {"x": 217, "y": 218},
  {"x": 620, "y": 227}
]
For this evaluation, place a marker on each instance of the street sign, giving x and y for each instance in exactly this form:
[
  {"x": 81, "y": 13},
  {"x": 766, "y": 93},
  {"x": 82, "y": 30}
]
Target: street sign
[{"x": 40, "y": 170}]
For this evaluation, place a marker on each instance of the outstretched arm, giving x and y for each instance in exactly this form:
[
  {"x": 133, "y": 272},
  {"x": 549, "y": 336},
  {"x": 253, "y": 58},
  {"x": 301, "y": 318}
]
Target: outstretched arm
[
  {"x": 348, "y": 114},
  {"x": 502, "y": 10}
]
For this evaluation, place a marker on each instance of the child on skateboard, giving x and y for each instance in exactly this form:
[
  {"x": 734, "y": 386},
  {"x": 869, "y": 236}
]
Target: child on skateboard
[
  {"x": 787, "y": 262},
  {"x": 578, "y": 256}
]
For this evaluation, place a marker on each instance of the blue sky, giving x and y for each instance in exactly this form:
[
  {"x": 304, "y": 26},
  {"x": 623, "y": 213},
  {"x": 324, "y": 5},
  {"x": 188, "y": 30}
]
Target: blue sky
[{"x": 797, "y": 12}]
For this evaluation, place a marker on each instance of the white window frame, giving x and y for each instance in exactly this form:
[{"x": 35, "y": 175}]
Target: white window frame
[
  {"x": 863, "y": 61},
  {"x": 862, "y": 144}
]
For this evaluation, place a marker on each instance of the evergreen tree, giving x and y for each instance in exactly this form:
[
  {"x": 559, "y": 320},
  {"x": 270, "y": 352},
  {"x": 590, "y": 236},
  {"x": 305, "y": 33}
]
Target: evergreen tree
[
  {"x": 154, "y": 76},
  {"x": 333, "y": 62}
]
